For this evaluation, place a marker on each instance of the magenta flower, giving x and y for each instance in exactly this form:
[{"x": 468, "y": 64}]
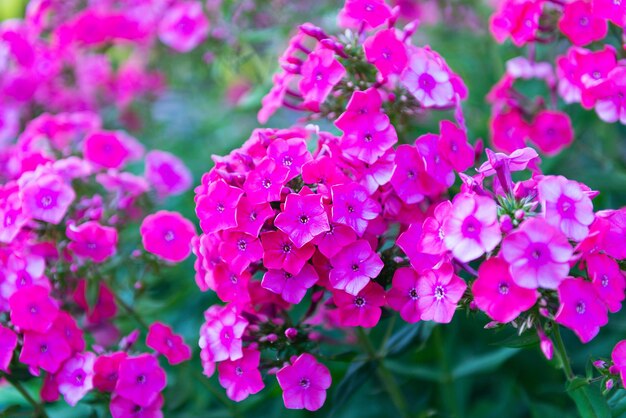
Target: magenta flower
[
  {"x": 303, "y": 218},
  {"x": 409, "y": 178},
  {"x": 265, "y": 182},
  {"x": 332, "y": 241},
  {"x": 363, "y": 108},
  {"x": 420, "y": 257},
  {"x": 496, "y": 293},
  {"x": 222, "y": 333},
  {"x": 428, "y": 80},
  {"x": 250, "y": 218},
  {"x": 46, "y": 198},
  {"x": 241, "y": 378},
  {"x": 75, "y": 379},
  {"x": 403, "y": 296},
  {"x": 362, "y": 309},
  {"x": 167, "y": 173},
  {"x": 432, "y": 237},
  {"x": 454, "y": 147},
  {"x": 217, "y": 209},
  {"x": 618, "y": 355},
  {"x": 106, "y": 149},
  {"x": 517, "y": 19},
  {"x": 162, "y": 340},
  {"x": 92, "y": 240},
  {"x": 551, "y": 131},
  {"x": 352, "y": 206},
  {"x": 371, "y": 13},
  {"x": 279, "y": 252},
  {"x": 46, "y": 351},
  {"x": 121, "y": 407},
  {"x": 386, "y": 52},
  {"x": 580, "y": 24},
  {"x": 509, "y": 130},
  {"x": 8, "y": 342},
  {"x": 566, "y": 206},
  {"x": 581, "y": 309},
  {"x": 12, "y": 218},
  {"x": 33, "y": 309},
  {"x": 291, "y": 287},
  {"x": 140, "y": 379},
  {"x": 291, "y": 153},
  {"x": 439, "y": 290},
  {"x": 608, "y": 280},
  {"x": 184, "y": 26},
  {"x": 320, "y": 73},
  {"x": 239, "y": 249},
  {"x": 304, "y": 383},
  {"x": 67, "y": 326},
  {"x": 167, "y": 235},
  {"x": 373, "y": 138},
  {"x": 354, "y": 266},
  {"x": 106, "y": 371},
  {"x": 471, "y": 229},
  {"x": 538, "y": 254}
]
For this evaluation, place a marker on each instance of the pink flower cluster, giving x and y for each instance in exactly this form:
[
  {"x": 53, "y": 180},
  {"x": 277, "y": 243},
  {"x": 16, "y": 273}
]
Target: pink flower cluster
[
  {"x": 65, "y": 199},
  {"x": 588, "y": 71}
]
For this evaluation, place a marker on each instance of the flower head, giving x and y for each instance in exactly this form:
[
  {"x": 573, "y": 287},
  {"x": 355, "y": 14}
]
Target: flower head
[
  {"x": 352, "y": 206},
  {"x": 140, "y": 379},
  {"x": 354, "y": 266},
  {"x": 304, "y": 383},
  {"x": 75, "y": 379},
  {"x": 428, "y": 80},
  {"x": 46, "y": 198},
  {"x": 161, "y": 339},
  {"x": 403, "y": 296},
  {"x": 292, "y": 287},
  {"x": 303, "y": 219},
  {"x": 386, "y": 52},
  {"x": 92, "y": 240},
  {"x": 217, "y": 209},
  {"x": 167, "y": 173},
  {"x": 167, "y": 235},
  {"x": 439, "y": 290},
  {"x": 33, "y": 309},
  {"x": 581, "y": 309},
  {"x": 241, "y": 378},
  {"x": 184, "y": 26}
]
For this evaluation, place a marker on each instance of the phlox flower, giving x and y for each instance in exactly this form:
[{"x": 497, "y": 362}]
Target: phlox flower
[
  {"x": 290, "y": 153},
  {"x": 47, "y": 350},
  {"x": 167, "y": 173},
  {"x": 33, "y": 309},
  {"x": 184, "y": 26},
  {"x": 538, "y": 254},
  {"x": 362, "y": 309},
  {"x": 8, "y": 342},
  {"x": 373, "y": 138},
  {"x": 121, "y": 407},
  {"x": 439, "y": 291},
  {"x": 67, "y": 326},
  {"x": 320, "y": 73},
  {"x": 217, "y": 209},
  {"x": 454, "y": 147},
  {"x": 75, "y": 379},
  {"x": 403, "y": 296},
  {"x": 437, "y": 168},
  {"x": 371, "y": 13},
  {"x": 221, "y": 334},
  {"x": 291, "y": 287},
  {"x": 508, "y": 130},
  {"x": 496, "y": 293},
  {"x": 140, "y": 379},
  {"x": 517, "y": 19},
  {"x": 551, "y": 131},
  {"x": 106, "y": 370},
  {"x": 325, "y": 172},
  {"x": 241, "y": 378},
  {"x": 92, "y": 240},
  {"x": 608, "y": 280},
  {"x": 566, "y": 206},
  {"x": 303, "y": 218},
  {"x": 421, "y": 258},
  {"x": 581, "y": 309},
  {"x": 304, "y": 383},
  {"x": 432, "y": 237},
  {"x": 279, "y": 252},
  {"x": 618, "y": 355},
  {"x": 239, "y": 250},
  {"x": 167, "y": 235},
  {"x": 352, "y": 206},
  {"x": 354, "y": 266},
  {"x": 162, "y": 340},
  {"x": 611, "y": 103},
  {"x": 265, "y": 182},
  {"x": 231, "y": 287},
  {"x": 12, "y": 217},
  {"x": 332, "y": 241},
  {"x": 107, "y": 149},
  {"x": 386, "y": 52},
  {"x": 580, "y": 24},
  {"x": 471, "y": 228},
  {"x": 428, "y": 80},
  {"x": 363, "y": 108},
  {"x": 250, "y": 217},
  {"x": 46, "y": 198},
  {"x": 409, "y": 178},
  {"x": 612, "y": 10}
]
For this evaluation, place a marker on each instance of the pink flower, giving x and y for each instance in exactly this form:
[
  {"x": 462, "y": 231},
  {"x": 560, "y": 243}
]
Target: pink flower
[
  {"x": 46, "y": 198},
  {"x": 403, "y": 296},
  {"x": 371, "y": 13},
  {"x": 432, "y": 236},
  {"x": 566, "y": 206},
  {"x": 162, "y": 340},
  {"x": 66, "y": 325},
  {"x": 92, "y": 240},
  {"x": 304, "y": 383},
  {"x": 453, "y": 146},
  {"x": 538, "y": 254},
  {"x": 471, "y": 228},
  {"x": 580, "y": 24},
  {"x": 8, "y": 342},
  {"x": 363, "y": 108},
  {"x": 46, "y": 351},
  {"x": 611, "y": 105},
  {"x": 331, "y": 242},
  {"x": 386, "y": 52},
  {"x": 241, "y": 378},
  {"x": 496, "y": 293},
  {"x": 250, "y": 218},
  {"x": 428, "y": 80},
  {"x": 184, "y": 26},
  {"x": 409, "y": 178},
  {"x": 140, "y": 379},
  {"x": 509, "y": 130},
  {"x": 421, "y": 257},
  {"x": 352, "y": 206},
  {"x": 321, "y": 72},
  {"x": 581, "y": 309},
  {"x": 612, "y": 10},
  {"x": 518, "y": 160},
  {"x": 265, "y": 182},
  {"x": 239, "y": 250},
  {"x": 291, "y": 287},
  {"x": 517, "y": 19},
  {"x": 439, "y": 290},
  {"x": 167, "y": 173},
  {"x": 75, "y": 379},
  {"x": 354, "y": 266},
  {"x": 551, "y": 131},
  {"x": 217, "y": 209},
  {"x": 371, "y": 140},
  {"x": 303, "y": 218},
  {"x": 106, "y": 149},
  {"x": 221, "y": 334},
  {"x": 167, "y": 235},
  {"x": 33, "y": 309},
  {"x": 279, "y": 252},
  {"x": 290, "y": 153},
  {"x": 362, "y": 309},
  {"x": 121, "y": 407},
  {"x": 618, "y": 355},
  {"x": 608, "y": 280},
  {"x": 106, "y": 371}
]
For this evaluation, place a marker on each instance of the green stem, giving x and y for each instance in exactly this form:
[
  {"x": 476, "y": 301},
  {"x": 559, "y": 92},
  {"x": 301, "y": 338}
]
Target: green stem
[
  {"x": 560, "y": 348},
  {"x": 130, "y": 311},
  {"x": 447, "y": 386},
  {"x": 384, "y": 374},
  {"x": 39, "y": 410}
]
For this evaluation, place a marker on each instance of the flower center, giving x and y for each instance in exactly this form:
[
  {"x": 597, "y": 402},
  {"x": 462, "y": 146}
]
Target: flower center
[
  {"x": 368, "y": 137},
  {"x": 440, "y": 292},
  {"x": 238, "y": 371},
  {"x": 46, "y": 201},
  {"x": 359, "y": 301},
  {"x": 304, "y": 219},
  {"x": 605, "y": 280},
  {"x": 267, "y": 183},
  {"x": 169, "y": 236},
  {"x": 141, "y": 379},
  {"x": 580, "y": 307},
  {"x": 305, "y": 382},
  {"x": 596, "y": 75},
  {"x": 503, "y": 288},
  {"x": 583, "y": 21},
  {"x": 287, "y": 161},
  {"x": 286, "y": 248},
  {"x": 241, "y": 244},
  {"x": 427, "y": 82},
  {"x": 220, "y": 207},
  {"x": 355, "y": 267},
  {"x": 43, "y": 348},
  {"x": 413, "y": 294}
]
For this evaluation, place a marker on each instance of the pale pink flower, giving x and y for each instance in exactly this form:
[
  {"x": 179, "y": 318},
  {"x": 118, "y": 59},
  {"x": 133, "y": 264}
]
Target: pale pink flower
[
  {"x": 439, "y": 292},
  {"x": 428, "y": 80},
  {"x": 354, "y": 266},
  {"x": 184, "y": 26},
  {"x": 75, "y": 379}
]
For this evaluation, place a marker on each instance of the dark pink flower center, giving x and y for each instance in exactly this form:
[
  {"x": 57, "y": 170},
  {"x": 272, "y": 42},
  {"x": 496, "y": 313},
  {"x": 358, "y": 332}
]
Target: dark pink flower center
[
  {"x": 287, "y": 161},
  {"x": 413, "y": 294},
  {"x": 427, "y": 82},
  {"x": 580, "y": 307},
  {"x": 440, "y": 292},
  {"x": 355, "y": 267},
  {"x": 304, "y": 219},
  {"x": 286, "y": 248},
  {"x": 583, "y": 21},
  {"x": 605, "y": 280},
  {"x": 141, "y": 379},
  {"x": 566, "y": 206},
  {"x": 242, "y": 245},
  {"x": 238, "y": 371},
  {"x": 503, "y": 288},
  {"x": 359, "y": 301},
  {"x": 43, "y": 348},
  {"x": 220, "y": 207},
  {"x": 305, "y": 382},
  {"x": 471, "y": 227},
  {"x": 169, "y": 236}
]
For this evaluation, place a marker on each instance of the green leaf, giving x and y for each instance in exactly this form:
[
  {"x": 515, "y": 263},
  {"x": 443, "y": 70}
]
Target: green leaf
[
  {"x": 409, "y": 336},
  {"x": 416, "y": 371},
  {"x": 346, "y": 356},
  {"x": 588, "y": 398},
  {"x": 617, "y": 403},
  {"x": 483, "y": 363},
  {"x": 92, "y": 292},
  {"x": 358, "y": 373},
  {"x": 527, "y": 339}
]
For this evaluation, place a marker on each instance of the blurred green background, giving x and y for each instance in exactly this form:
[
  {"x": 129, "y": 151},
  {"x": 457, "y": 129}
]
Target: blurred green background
[{"x": 457, "y": 370}]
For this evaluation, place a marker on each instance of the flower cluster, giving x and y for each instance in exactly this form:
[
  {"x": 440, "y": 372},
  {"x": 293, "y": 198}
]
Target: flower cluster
[
  {"x": 349, "y": 225},
  {"x": 585, "y": 69},
  {"x": 66, "y": 202}
]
